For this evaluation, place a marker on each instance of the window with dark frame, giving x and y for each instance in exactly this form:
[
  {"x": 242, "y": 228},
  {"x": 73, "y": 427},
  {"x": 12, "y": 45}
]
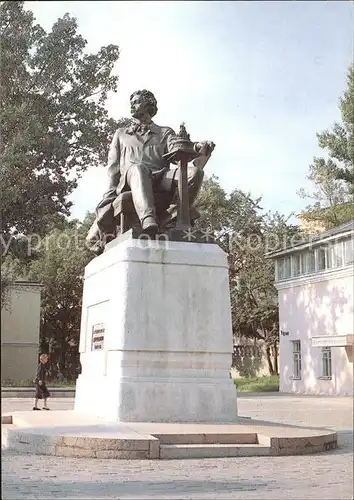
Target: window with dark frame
[
  {"x": 296, "y": 359},
  {"x": 326, "y": 362}
]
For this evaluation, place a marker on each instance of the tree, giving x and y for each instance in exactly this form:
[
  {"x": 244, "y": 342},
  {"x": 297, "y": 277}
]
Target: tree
[
  {"x": 213, "y": 205},
  {"x": 53, "y": 121},
  {"x": 229, "y": 216},
  {"x": 334, "y": 177},
  {"x": 13, "y": 266},
  {"x": 6, "y": 282},
  {"x": 60, "y": 266},
  {"x": 246, "y": 234},
  {"x": 253, "y": 295},
  {"x": 339, "y": 142},
  {"x": 331, "y": 198}
]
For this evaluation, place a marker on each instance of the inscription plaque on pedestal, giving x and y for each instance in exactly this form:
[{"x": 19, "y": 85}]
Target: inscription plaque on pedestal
[{"x": 97, "y": 342}]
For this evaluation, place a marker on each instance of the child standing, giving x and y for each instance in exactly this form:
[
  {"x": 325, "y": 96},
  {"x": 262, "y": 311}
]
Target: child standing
[{"x": 41, "y": 389}]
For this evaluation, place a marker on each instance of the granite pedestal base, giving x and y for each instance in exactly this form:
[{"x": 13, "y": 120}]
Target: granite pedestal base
[
  {"x": 156, "y": 337},
  {"x": 71, "y": 434}
]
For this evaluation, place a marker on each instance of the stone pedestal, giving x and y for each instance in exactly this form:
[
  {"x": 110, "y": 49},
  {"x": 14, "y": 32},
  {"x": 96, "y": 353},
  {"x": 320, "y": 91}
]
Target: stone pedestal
[{"x": 156, "y": 338}]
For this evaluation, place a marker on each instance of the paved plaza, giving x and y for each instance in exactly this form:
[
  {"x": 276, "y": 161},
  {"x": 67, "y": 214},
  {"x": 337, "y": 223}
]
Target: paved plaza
[{"x": 321, "y": 476}]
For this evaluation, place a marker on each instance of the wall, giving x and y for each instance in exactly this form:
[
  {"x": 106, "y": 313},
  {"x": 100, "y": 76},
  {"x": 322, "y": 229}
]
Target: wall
[
  {"x": 317, "y": 305},
  {"x": 20, "y": 323},
  {"x": 249, "y": 359}
]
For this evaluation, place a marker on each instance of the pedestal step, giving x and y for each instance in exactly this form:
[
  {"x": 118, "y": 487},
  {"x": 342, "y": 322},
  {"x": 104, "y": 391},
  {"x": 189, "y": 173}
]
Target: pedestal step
[
  {"x": 207, "y": 439},
  {"x": 171, "y": 451}
]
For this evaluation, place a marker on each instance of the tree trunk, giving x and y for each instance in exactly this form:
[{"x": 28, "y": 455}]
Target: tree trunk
[
  {"x": 269, "y": 359},
  {"x": 62, "y": 356},
  {"x": 276, "y": 367}
]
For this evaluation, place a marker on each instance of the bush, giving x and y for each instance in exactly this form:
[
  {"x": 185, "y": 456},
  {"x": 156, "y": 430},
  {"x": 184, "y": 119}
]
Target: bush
[{"x": 257, "y": 384}]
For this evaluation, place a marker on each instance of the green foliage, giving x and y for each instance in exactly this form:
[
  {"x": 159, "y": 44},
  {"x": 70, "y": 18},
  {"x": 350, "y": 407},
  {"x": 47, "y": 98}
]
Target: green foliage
[
  {"x": 247, "y": 234},
  {"x": 12, "y": 267},
  {"x": 212, "y": 202},
  {"x": 6, "y": 281},
  {"x": 331, "y": 216},
  {"x": 254, "y": 297},
  {"x": 328, "y": 191},
  {"x": 257, "y": 384},
  {"x": 330, "y": 197},
  {"x": 53, "y": 121},
  {"x": 60, "y": 266},
  {"x": 231, "y": 216},
  {"x": 339, "y": 142}
]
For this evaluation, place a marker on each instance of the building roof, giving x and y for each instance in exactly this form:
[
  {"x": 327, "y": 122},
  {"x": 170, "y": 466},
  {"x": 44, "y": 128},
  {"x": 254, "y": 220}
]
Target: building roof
[{"x": 336, "y": 232}]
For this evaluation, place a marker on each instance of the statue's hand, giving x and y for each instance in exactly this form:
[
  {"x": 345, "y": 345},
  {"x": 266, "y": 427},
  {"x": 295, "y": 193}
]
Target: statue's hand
[{"x": 204, "y": 148}]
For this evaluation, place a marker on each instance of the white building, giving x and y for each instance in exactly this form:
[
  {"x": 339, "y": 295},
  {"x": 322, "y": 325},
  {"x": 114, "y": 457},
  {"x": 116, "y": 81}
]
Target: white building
[{"x": 315, "y": 283}]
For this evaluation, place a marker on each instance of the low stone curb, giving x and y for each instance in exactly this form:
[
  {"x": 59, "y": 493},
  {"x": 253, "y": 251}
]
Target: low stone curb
[{"x": 28, "y": 392}]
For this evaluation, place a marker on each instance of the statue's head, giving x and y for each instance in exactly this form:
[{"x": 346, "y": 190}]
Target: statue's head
[{"x": 142, "y": 103}]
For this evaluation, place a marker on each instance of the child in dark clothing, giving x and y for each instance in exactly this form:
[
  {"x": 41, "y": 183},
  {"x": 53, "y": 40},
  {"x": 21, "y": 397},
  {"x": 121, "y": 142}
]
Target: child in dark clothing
[{"x": 41, "y": 389}]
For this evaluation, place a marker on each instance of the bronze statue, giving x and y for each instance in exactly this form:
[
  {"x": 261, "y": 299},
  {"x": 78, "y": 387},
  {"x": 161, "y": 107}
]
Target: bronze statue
[{"x": 142, "y": 184}]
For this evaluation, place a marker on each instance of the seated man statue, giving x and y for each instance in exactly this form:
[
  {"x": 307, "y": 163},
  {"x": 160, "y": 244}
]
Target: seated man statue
[{"x": 138, "y": 161}]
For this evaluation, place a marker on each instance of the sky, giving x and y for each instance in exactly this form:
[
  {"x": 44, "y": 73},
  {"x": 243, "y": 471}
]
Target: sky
[{"x": 259, "y": 79}]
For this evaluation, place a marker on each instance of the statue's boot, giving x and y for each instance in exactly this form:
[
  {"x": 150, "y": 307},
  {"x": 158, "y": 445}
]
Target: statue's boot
[
  {"x": 97, "y": 239},
  {"x": 150, "y": 226},
  {"x": 93, "y": 241}
]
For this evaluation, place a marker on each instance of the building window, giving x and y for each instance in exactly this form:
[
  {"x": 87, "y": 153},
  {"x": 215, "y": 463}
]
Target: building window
[
  {"x": 310, "y": 262},
  {"x": 326, "y": 362},
  {"x": 287, "y": 267},
  {"x": 284, "y": 268},
  {"x": 327, "y": 256},
  {"x": 296, "y": 264},
  {"x": 296, "y": 359},
  {"x": 349, "y": 251},
  {"x": 280, "y": 268},
  {"x": 321, "y": 259},
  {"x": 336, "y": 254}
]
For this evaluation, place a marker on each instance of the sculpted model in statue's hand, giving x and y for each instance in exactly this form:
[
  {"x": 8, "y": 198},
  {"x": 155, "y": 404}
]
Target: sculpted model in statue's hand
[{"x": 138, "y": 162}]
